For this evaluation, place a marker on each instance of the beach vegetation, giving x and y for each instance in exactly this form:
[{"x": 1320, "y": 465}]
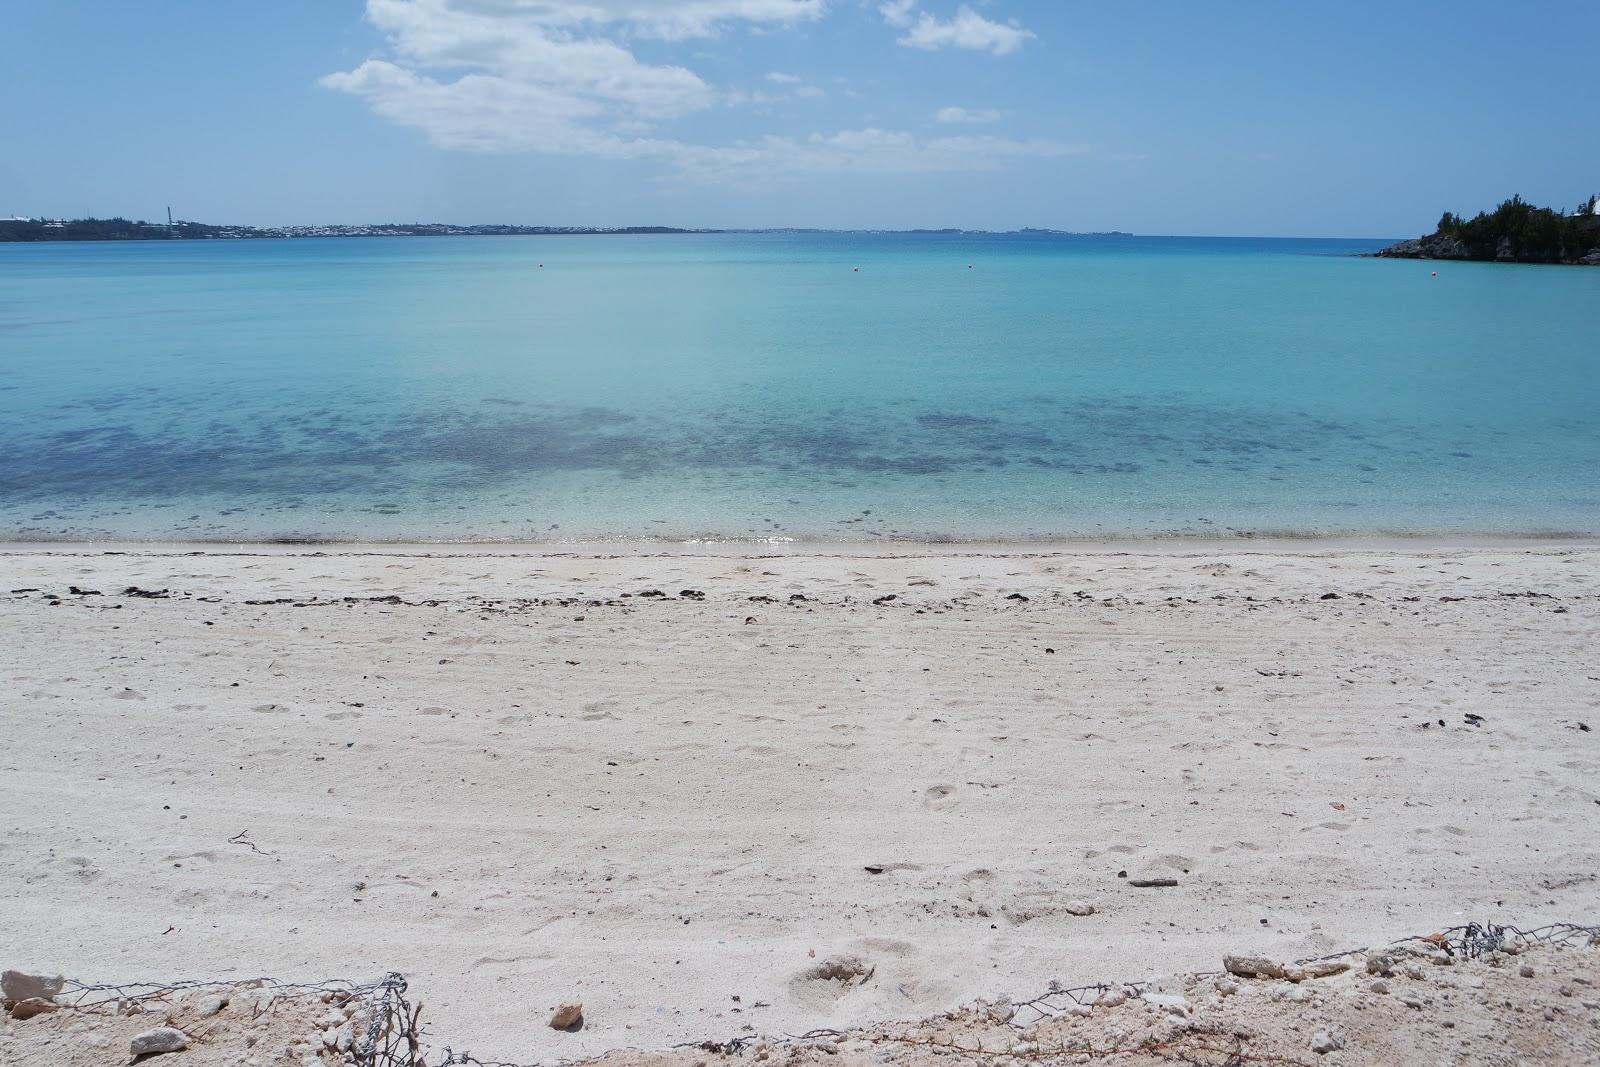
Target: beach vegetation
[{"x": 1517, "y": 230}]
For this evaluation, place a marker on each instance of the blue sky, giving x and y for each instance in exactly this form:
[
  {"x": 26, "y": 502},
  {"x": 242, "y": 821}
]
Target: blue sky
[{"x": 1156, "y": 116}]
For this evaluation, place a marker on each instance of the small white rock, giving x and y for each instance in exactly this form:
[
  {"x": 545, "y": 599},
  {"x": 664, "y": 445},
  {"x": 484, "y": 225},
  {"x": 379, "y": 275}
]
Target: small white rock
[
  {"x": 1111, "y": 998},
  {"x": 18, "y": 985},
  {"x": 161, "y": 1039},
  {"x": 1252, "y": 966},
  {"x": 1325, "y": 1041},
  {"x": 1171, "y": 1002},
  {"x": 1079, "y": 907}
]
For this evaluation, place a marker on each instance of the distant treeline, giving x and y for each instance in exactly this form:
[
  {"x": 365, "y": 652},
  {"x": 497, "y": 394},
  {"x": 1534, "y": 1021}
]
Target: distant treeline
[
  {"x": 120, "y": 229},
  {"x": 127, "y": 230},
  {"x": 1514, "y": 232},
  {"x": 101, "y": 230}
]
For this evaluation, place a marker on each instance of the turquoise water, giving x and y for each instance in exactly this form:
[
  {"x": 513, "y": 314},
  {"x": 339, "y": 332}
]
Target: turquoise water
[{"x": 737, "y": 386}]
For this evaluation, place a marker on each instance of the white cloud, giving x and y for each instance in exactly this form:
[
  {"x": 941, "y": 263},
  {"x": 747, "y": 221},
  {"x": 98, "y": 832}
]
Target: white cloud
[
  {"x": 507, "y": 42},
  {"x": 534, "y": 76},
  {"x": 967, "y": 116},
  {"x": 864, "y": 151},
  {"x": 666, "y": 19},
  {"x": 897, "y": 12},
  {"x": 967, "y": 29}
]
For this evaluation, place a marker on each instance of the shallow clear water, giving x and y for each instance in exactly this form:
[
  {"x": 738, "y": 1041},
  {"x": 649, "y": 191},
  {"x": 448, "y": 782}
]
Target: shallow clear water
[{"x": 757, "y": 386}]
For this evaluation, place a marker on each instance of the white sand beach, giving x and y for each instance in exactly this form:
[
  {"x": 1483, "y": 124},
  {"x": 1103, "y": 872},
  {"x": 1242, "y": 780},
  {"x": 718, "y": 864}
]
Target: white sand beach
[{"x": 515, "y": 778}]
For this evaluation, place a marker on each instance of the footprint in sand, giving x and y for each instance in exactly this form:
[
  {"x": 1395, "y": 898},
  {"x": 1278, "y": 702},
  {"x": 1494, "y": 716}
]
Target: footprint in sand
[
  {"x": 81, "y": 867},
  {"x": 940, "y": 797},
  {"x": 820, "y": 987},
  {"x": 335, "y": 716}
]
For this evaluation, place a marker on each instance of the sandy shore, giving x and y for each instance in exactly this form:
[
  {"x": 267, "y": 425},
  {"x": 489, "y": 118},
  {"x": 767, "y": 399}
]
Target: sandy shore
[{"x": 494, "y": 772}]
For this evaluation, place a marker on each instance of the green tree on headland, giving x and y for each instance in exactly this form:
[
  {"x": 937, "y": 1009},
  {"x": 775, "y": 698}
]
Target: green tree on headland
[{"x": 1516, "y": 230}]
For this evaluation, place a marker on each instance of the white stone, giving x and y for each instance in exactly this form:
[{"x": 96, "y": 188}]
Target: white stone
[
  {"x": 1168, "y": 1001},
  {"x": 161, "y": 1039},
  {"x": 1325, "y": 1041},
  {"x": 16, "y": 985},
  {"x": 1252, "y": 966},
  {"x": 1111, "y": 998}
]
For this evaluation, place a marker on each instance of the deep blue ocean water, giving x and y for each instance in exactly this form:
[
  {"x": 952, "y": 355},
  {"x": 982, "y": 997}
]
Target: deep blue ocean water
[{"x": 738, "y": 386}]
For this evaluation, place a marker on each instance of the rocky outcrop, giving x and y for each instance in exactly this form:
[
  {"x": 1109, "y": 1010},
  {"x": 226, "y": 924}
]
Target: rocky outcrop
[
  {"x": 1435, "y": 246},
  {"x": 1446, "y": 246},
  {"x": 1514, "y": 232}
]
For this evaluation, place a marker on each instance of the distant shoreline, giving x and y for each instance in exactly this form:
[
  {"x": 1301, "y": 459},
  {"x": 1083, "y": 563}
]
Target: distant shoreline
[{"x": 50, "y": 231}]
